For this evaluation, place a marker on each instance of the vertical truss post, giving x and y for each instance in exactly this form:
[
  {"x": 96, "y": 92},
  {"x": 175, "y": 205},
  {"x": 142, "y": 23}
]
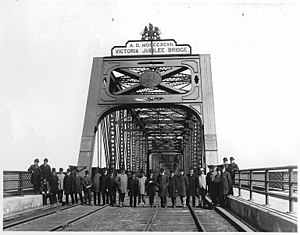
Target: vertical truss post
[{"x": 122, "y": 142}]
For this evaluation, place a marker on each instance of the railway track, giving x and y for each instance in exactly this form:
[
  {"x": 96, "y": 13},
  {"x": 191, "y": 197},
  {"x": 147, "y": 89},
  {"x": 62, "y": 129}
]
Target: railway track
[
  {"x": 94, "y": 218},
  {"x": 54, "y": 220},
  {"x": 174, "y": 220}
]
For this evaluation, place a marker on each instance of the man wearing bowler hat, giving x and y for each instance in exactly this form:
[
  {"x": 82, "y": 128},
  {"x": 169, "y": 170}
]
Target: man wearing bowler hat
[
  {"x": 35, "y": 176},
  {"x": 46, "y": 170},
  {"x": 232, "y": 168}
]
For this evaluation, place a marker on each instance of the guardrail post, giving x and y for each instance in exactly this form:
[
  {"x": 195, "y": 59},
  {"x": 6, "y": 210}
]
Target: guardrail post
[
  {"x": 21, "y": 184},
  {"x": 267, "y": 186},
  {"x": 291, "y": 206},
  {"x": 240, "y": 183},
  {"x": 251, "y": 185}
]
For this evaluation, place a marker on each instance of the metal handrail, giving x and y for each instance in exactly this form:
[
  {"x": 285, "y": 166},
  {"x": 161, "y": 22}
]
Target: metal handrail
[
  {"x": 248, "y": 183},
  {"x": 16, "y": 182}
]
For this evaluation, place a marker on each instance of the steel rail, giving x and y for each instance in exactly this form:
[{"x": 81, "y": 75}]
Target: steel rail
[
  {"x": 66, "y": 224},
  {"x": 36, "y": 217},
  {"x": 150, "y": 222},
  {"x": 199, "y": 225}
]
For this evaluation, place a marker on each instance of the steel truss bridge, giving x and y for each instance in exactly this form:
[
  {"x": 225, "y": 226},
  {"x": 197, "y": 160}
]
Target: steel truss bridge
[{"x": 148, "y": 112}]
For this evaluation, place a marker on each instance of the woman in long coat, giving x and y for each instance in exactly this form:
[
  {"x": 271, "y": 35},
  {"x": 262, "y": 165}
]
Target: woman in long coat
[
  {"x": 183, "y": 185},
  {"x": 173, "y": 188},
  {"x": 150, "y": 187}
]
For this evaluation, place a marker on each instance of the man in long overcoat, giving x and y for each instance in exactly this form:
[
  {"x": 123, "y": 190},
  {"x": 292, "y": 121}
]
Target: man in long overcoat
[
  {"x": 150, "y": 186},
  {"x": 45, "y": 170},
  {"x": 35, "y": 176},
  {"x": 163, "y": 184},
  {"x": 78, "y": 187},
  {"x": 69, "y": 187},
  {"x": 111, "y": 186},
  {"x": 96, "y": 187},
  {"x": 53, "y": 186},
  {"x": 183, "y": 185},
  {"x": 133, "y": 189},
  {"x": 232, "y": 168},
  {"x": 173, "y": 188},
  {"x": 192, "y": 189},
  {"x": 121, "y": 180},
  {"x": 103, "y": 178},
  {"x": 225, "y": 184}
]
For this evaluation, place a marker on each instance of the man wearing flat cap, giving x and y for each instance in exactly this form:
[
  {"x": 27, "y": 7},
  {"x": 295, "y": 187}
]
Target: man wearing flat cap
[
  {"x": 232, "y": 168},
  {"x": 46, "y": 170},
  {"x": 35, "y": 176}
]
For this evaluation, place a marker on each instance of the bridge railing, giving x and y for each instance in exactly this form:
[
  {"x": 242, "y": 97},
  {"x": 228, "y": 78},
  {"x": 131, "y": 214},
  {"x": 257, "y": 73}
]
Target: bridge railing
[
  {"x": 278, "y": 182},
  {"x": 16, "y": 183}
]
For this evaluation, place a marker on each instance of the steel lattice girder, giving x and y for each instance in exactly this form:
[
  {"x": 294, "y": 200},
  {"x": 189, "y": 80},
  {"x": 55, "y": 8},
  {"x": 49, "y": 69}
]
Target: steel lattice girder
[{"x": 167, "y": 99}]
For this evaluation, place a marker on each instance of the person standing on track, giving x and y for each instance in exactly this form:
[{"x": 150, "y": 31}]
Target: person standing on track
[
  {"x": 192, "y": 189},
  {"x": 150, "y": 186},
  {"x": 142, "y": 185},
  {"x": 54, "y": 186},
  {"x": 35, "y": 176},
  {"x": 232, "y": 168},
  {"x": 103, "y": 178},
  {"x": 133, "y": 189},
  {"x": 121, "y": 180},
  {"x": 69, "y": 187},
  {"x": 96, "y": 187},
  {"x": 202, "y": 188},
  {"x": 163, "y": 184},
  {"x": 87, "y": 185},
  {"x": 61, "y": 177},
  {"x": 45, "y": 170},
  {"x": 173, "y": 188},
  {"x": 183, "y": 185},
  {"x": 225, "y": 184},
  {"x": 111, "y": 188},
  {"x": 78, "y": 187}
]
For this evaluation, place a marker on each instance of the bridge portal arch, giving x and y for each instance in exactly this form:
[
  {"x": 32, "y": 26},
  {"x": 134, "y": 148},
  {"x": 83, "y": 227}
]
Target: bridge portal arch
[{"x": 152, "y": 88}]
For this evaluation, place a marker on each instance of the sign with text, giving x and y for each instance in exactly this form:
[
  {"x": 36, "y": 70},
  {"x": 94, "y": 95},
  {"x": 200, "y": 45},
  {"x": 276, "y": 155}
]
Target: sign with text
[{"x": 157, "y": 47}]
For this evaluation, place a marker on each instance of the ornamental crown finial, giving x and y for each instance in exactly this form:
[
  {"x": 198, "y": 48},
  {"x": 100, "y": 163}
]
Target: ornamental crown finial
[{"x": 151, "y": 33}]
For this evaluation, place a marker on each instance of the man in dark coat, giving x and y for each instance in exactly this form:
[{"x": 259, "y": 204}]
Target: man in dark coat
[
  {"x": 173, "y": 188},
  {"x": 133, "y": 189},
  {"x": 69, "y": 187},
  {"x": 96, "y": 187},
  {"x": 45, "y": 189},
  {"x": 78, "y": 187},
  {"x": 163, "y": 184},
  {"x": 35, "y": 176},
  {"x": 87, "y": 185},
  {"x": 111, "y": 188},
  {"x": 103, "y": 178},
  {"x": 150, "y": 187},
  {"x": 183, "y": 185},
  {"x": 232, "y": 168},
  {"x": 54, "y": 186},
  {"x": 45, "y": 170},
  {"x": 192, "y": 189},
  {"x": 225, "y": 184}
]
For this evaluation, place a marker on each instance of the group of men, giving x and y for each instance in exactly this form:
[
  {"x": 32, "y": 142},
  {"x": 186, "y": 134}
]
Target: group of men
[
  {"x": 105, "y": 185},
  {"x": 53, "y": 186}
]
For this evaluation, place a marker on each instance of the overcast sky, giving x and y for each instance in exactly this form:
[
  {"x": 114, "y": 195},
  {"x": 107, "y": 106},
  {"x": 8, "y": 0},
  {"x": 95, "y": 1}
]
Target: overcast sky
[{"x": 46, "y": 54}]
